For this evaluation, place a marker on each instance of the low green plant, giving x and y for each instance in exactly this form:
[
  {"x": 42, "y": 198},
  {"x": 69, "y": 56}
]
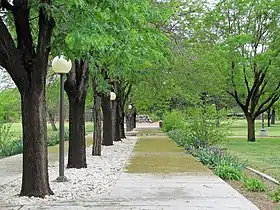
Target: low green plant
[
  {"x": 53, "y": 138},
  {"x": 214, "y": 156},
  {"x": 275, "y": 196},
  {"x": 254, "y": 185},
  {"x": 228, "y": 172},
  {"x": 206, "y": 125},
  {"x": 12, "y": 147},
  {"x": 172, "y": 121}
]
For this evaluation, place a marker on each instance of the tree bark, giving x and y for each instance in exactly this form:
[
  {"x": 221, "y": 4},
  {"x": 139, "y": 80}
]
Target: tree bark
[
  {"x": 251, "y": 128},
  {"x": 52, "y": 121},
  {"x": 35, "y": 179},
  {"x": 107, "y": 121},
  {"x": 77, "y": 144},
  {"x": 122, "y": 129},
  {"x": 268, "y": 117},
  {"x": 130, "y": 119},
  {"x": 97, "y": 115},
  {"x": 28, "y": 68},
  {"x": 76, "y": 87},
  {"x": 116, "y": 121},
  {"x": 273, "y": 117}
]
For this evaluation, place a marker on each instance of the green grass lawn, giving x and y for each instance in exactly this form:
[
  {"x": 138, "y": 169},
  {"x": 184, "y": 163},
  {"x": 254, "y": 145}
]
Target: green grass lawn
[
  {"x": 263, "y": 155},
  {"x": 239, "y": 128}
]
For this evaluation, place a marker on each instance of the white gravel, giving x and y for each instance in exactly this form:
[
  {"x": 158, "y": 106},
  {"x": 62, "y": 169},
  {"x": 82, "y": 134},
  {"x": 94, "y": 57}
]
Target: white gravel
[{"x": 96, "y": 180}]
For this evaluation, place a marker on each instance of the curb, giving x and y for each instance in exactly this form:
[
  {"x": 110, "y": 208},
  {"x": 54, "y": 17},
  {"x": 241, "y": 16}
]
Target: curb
[{"x": 263, "y": 175}]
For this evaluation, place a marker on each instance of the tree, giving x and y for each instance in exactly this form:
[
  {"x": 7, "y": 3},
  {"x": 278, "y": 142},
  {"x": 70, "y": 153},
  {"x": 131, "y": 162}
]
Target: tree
[
  {"x": 244, "y": 42},
  {"x": 97, "y": 131},
  {"x": 76, "y": 87},
  {"x": 26, "y": 62}
]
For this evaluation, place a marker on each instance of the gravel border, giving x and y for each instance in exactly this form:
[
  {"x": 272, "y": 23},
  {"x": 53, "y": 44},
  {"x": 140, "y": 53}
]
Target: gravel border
[{"x": 97, "y": 180}]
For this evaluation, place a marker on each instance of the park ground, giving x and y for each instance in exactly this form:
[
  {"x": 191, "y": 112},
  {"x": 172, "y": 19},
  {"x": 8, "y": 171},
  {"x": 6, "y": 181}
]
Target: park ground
[{"x": 160, "y": 175}]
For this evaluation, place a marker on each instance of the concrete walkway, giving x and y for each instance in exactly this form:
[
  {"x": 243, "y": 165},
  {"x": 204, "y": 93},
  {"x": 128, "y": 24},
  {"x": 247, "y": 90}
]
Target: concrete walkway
[{"x": 155, "y": 192}]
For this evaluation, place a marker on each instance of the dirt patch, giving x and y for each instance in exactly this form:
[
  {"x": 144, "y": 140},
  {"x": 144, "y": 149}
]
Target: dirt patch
[{"x": 260, "y": 199}]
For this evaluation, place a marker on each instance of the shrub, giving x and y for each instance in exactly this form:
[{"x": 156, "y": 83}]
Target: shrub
[
  {"x": 53, "y": 138},
  {"x": 172, "y": 121},
  {"x": 228, "y": 172},
  {"x": 179, "y": 137},
  {"x": 206, "y": 126},
  {"x": 275, "y": 196},
  {"x": 12, "y": 147},
  {"x": 214, "y": 156},
  {"x": 254, "y": 185}
]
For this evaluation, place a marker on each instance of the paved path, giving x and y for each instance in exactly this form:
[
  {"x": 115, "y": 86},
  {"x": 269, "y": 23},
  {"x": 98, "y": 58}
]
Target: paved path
[{"x": 155, "y": 192}]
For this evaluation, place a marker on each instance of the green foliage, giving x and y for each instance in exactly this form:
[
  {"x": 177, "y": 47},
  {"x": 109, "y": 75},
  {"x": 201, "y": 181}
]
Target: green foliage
[
  {"x": 173, "y": 120},
  {"x": 228, "y": 172},
  {"x": 9, "y": 145},
  {"x": 206, "y": 125},
  {"x": 275, "y": 196},
  {"x": 53, "y": 138},
  {"x": 212, "y": 157},
  {"x": 254, "y": 185},
  {"x": 10, "y": 108}
]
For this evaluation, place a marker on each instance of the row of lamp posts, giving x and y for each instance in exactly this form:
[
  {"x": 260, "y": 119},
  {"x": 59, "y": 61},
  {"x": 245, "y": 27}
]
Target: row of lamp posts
[{"x": 62, "y": 66}]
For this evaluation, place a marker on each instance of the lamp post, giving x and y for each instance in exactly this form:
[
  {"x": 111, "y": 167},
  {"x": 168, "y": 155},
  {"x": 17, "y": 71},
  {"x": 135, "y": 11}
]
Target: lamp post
[
  {"x": 113, "y": 96},
  {"x": 263, "y": 131},
  {"x": 61, "y": 66}
]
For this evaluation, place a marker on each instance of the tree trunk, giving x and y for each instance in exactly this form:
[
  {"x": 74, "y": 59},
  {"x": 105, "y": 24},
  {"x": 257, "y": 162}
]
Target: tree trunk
[
  {"x": 134, "y": 119},
  {"x": 130, "y": 119},
  {"x": 116, "y": 121},
  {"x": 35, "y": 179},
  {"x": 52, "y": 121},
  {"x": 251, "y": 128},
  {"x": 77, "y": 144},
  {"x": 76, "y": 87},
  {"x": 97, "y": 132},
  {"x": 122, "y": 129},
  {"x": 268, "y": 117},
  {"x": 107, "y": 121},
  {"x": 273, "y": 117}
]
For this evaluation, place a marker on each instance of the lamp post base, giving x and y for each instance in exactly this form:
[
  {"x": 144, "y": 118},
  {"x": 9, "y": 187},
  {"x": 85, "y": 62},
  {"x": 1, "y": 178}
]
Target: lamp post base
[
  {"x": 263, "y": 132},
  {"x": 61, "y": 179}
]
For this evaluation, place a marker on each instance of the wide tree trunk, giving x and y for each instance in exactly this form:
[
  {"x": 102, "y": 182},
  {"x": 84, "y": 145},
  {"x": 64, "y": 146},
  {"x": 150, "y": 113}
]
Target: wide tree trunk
[
  {"x": 107, "y": 121},
  {"x": 251, "y": 128},
  {"x": 97, "y": 131},
  {"x": 268, "y": 117},
  {"x": 35, "y": 179},
  {"x": 77, "y": 144},
  {"x": 26, "y": 63},
  {"x": 273, "y": 117},
  {"x": 134, "y": 119},
  {"x": 76, "y": 87}
]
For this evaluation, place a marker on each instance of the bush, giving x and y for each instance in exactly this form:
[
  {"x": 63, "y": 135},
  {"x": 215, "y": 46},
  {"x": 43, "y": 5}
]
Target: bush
[
  {"x": 12, "y": 147},
  {"x": 53, "y": 138},
  {"x": 8, "y": 143},
  {"x": 172, "y": 121},
  {"x": 179, "y": 137},
  {"x": 276, "y": 195},
  {"x": 228, "y": 172},
  {"x": 206, "y": 126},
  {"x": 212, "y": 157},
  {"x": 254, "y": 185}
]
